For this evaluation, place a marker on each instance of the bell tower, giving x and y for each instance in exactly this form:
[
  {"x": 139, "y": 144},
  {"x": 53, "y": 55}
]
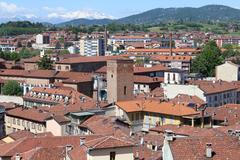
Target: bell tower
[{"x": 120, "y": 83}]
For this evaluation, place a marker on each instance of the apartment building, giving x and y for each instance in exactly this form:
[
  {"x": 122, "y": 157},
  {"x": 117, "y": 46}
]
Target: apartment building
[
  {"x": 40, "y": 97},
  {"x": 179, "y": 62},
  {"x": 20, "y": 118},
  {"x": 92, "y": 47},
  {"x": 7, "y": 48},
  {"x": 214, "y": 93}
]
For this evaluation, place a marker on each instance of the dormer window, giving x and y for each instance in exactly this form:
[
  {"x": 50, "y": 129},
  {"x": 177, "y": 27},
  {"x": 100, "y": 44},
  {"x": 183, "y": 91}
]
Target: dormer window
[{"x": 66, "y": 99}]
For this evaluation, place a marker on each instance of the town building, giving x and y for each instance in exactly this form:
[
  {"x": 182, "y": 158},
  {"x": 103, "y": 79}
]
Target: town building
[
  {"x": 92, "y": 47},
  {"x": 120, "y": 79},
  {"x": 228, "y": 72},
  {"x": 145, "y": 114}
]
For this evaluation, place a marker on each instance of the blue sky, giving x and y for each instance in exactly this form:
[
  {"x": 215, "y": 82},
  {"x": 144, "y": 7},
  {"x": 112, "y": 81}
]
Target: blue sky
[{"x": 71, "y": 9}]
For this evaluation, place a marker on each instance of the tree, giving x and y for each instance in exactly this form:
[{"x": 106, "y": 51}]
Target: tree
[
  {"x": 58, "y": 45},
  {"x": 206, "y": 61},
  {"x": 45, "y": 63},
  {"x": 12, "y": 88}
]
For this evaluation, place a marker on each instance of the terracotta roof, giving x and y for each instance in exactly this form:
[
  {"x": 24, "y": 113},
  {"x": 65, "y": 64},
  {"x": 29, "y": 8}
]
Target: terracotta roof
[
  {"x": 130, "y": 37},
  {"x": 155, "y": 68},
  {"x": 210, "y": 87},
  {"x": 74, "y": 77},
  {"x": 8, "y": 105},
  {"x": 23, "y": 73},
  {"x": 73, "y": 95},
  {"x": 223, "y": 147},
  {"x": 187, "y": 99},
  {"x": 229, "y": 114},
  {"x": 91, "y": 142},
  {"x": 163, "y": 50},
  {"x": 32, "y": 60},
  {"x": 32, "y": 114},
  {"x": 107, "y": 142},
  {"x": 170, "y": 58},
  {"x": 147, "y": 80},
  {"x": 39, "y": 153},
  {"x": 104, "y": 125},
  {"x": 87, "y": 59},
  {"x": 154, "y": 106}
]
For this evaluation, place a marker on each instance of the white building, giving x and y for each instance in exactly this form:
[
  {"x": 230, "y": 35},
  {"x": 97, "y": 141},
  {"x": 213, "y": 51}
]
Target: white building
[
  {"x": 92, "y": 47},
  {"x": 213, "y": 93},
  {"x": 7, "y": 48},
  {"x": 228, "y": 72},
  {"x": 175, "y": 76},
  {"x": 42, "y": 39}
]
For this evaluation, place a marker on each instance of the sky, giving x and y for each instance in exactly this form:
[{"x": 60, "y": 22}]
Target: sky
[{"x": 63, "y": 10}]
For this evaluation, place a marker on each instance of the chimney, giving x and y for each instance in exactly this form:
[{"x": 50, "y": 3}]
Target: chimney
[
  {"x": 68, "y": 148},
  {"x": 82, "y": 141},
  {"x": 137, "y": 155},
  {"x": 17, "y": 157},
  {"x": 169, "y": 135},
  {"x": 209, "y": 150}
]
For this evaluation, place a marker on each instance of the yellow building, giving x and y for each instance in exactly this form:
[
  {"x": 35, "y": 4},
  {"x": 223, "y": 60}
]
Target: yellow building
[{"x": 150, "y": 113}]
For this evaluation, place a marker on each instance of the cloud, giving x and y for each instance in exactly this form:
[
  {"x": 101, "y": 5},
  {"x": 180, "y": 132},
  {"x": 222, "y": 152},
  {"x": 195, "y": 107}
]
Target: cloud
[
  {"x": 10, "y": 11},
  {"x": 90, "y": 14},
  {"x": 9, "y": 7},
  {"x": 62, "y": 13}
]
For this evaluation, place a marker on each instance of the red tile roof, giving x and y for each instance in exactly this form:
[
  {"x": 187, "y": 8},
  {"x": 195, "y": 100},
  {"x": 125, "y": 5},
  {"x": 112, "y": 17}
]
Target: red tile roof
[
  {"x": 147, "y": 80},
  {"x": 211, "y": 87},
  {"x": 154, "y": 106},
  {"x": 32, "y": 114},
  {"x": 223, "y": 147}
]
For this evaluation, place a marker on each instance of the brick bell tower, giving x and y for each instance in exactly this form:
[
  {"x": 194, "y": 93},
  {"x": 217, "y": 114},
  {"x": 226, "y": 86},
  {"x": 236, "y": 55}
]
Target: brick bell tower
[{"x": 120, "y": 83}]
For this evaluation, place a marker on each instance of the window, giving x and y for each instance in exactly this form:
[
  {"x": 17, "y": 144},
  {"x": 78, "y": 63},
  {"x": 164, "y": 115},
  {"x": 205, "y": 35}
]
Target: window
[
  {"x": 14, "y": 121},
  {"x": 112, "y": 75},
  {"x": 33, "y": 125},
  {"x": 18, "y": 121},
  {"x": 67, "y": 68},
  {"x": 39, "y": 127},
  {"x": 125, "y": 90},
  {"x": 23, "y": 123},
  {"x": 112, "y": 155},
  {"x": 174, "y": 77},
  {"x": 59, "y": 67}
]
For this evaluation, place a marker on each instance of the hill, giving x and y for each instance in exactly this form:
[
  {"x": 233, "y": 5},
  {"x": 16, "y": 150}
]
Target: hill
[
  {"x": 82, "y": 21},
  {"x": 215, "y": 13}
]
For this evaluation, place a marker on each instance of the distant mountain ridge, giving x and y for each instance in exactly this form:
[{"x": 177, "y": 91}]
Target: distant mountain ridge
[{"x": 155, "y": 16}]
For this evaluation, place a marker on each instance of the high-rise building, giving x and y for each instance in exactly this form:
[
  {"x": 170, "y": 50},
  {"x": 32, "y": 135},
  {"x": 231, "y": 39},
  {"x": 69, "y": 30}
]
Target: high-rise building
[
  {"x": 92, "y": 47},
  {"x": 120, "y": 82},
  {"x": 42, "y": 39}
]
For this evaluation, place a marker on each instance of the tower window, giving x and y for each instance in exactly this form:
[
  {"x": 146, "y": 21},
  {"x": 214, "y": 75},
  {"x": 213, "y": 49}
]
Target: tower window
[{"x": 125, "y": 90}]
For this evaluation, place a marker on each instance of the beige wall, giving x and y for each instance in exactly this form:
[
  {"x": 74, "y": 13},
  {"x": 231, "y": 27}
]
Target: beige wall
[
  {"x": 54, "y": 127},
  {"x": 13, "y": 124},
  {"x": 227, "y": 72},
  {"x": 104, "y": 154},
  {"x": 30, "y": 66},
  {"x": 63, "y": 67},
  {"x": 37, "y": 81}
]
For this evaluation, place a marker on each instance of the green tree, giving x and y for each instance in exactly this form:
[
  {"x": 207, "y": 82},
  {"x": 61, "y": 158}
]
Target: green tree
[
  {"x": 58, "y": 45},
  {"x": 206, "y": 61},
  {"x": 12, "y": 88},
  {"x": 45, "y": 63}
]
